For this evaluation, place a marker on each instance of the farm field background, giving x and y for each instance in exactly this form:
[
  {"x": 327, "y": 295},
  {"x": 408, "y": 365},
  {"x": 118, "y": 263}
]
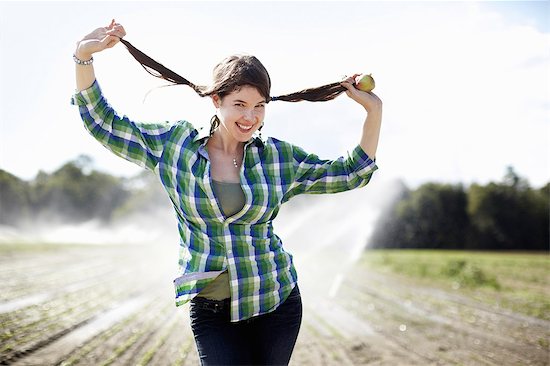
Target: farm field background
[{"x": 112, "y": 305}]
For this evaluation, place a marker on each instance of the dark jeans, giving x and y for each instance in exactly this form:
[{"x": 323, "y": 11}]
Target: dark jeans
[{"x": 267, "y": 339}]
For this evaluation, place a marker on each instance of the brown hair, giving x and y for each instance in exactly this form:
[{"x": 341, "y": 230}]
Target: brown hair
[{"x": 232, "y": 73}]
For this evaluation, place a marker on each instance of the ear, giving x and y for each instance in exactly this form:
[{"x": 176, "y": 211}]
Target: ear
[{"x": 216, "y": 100}]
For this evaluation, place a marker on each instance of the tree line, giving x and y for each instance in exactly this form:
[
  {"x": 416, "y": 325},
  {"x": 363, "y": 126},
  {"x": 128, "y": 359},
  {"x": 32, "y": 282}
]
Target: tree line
[
  {"x": 74, "y": 193},
  {"x": 506, "y": 215}
]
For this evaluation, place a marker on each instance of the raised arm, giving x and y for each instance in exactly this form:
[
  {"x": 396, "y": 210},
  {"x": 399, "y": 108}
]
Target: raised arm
[
  {"x": 313, "y": 175},
  {"x": 97, "y": 41},
  {"x": 138, "y": 142},
  {"x": 373, "y": 121}
]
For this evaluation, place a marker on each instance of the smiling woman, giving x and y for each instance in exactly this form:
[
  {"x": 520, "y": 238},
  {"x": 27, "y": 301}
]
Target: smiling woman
[{"x": 227, "y": 187}]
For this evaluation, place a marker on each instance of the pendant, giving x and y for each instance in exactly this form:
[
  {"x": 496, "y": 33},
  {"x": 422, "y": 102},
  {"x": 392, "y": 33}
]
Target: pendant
[{"x": 235, "y": 163}]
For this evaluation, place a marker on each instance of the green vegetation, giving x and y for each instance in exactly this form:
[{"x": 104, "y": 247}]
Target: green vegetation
[
  {"x": 73, "y": 193},
  {"x": 76, "y": 193},
  {"x": 508, "y": 215},
  {"x": 17, "y": 248},
  {"x": 516, "y": 281}
]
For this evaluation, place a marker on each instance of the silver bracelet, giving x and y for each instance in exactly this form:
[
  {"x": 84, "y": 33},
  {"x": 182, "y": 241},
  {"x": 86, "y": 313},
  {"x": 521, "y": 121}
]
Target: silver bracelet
[{"x": 80, "y": 62}]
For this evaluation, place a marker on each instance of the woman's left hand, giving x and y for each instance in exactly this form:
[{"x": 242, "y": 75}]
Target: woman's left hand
[{"x": 368, "y": 100}]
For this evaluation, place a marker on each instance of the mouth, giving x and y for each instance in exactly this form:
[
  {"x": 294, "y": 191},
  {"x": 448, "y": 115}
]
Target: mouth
[{"x": 244, "y": 128}]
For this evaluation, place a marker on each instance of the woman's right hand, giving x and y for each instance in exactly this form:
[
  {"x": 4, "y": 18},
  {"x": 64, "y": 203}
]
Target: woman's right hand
[{"x": 100, "y": 39}]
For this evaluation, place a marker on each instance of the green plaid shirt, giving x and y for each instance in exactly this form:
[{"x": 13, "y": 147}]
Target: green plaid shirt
[{"x": 261, "y": 272}]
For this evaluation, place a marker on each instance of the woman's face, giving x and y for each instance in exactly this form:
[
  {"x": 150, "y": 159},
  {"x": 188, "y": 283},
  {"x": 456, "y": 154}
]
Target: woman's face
[{"x": 241, "y": 113}]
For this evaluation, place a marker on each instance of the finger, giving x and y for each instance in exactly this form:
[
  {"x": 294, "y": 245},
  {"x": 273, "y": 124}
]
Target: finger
[
  {"x": 121, "y": 30},
  {"x": 346, "y": 78},
  {"x": 115, "y": 33},
  {"x": 118, "y": 30},
  {"x": 353, "y": 79},
  {"x": 112, "y": 43},
  {"x": 112, "y": 24},
  {"x": 346, "y": 84},
  {"x": 109, "y": 41},
  {"x": 349, "y": 80}
]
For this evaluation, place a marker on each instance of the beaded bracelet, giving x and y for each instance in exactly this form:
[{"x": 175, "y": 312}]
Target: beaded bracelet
[{"x": 80, "y": 62}]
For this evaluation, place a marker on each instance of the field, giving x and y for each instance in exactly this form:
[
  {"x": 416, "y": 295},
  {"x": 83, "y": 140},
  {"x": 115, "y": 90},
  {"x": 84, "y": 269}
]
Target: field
[
  {"x": 513, "y": 281},
  {"x": 112, "y": 305}
]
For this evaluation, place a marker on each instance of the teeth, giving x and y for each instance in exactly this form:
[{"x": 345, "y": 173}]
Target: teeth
[{"x": 244, "y": 127}]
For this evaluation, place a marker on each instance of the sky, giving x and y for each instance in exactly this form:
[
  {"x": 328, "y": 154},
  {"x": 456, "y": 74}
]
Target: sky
[{"x": 465, "y": 85}]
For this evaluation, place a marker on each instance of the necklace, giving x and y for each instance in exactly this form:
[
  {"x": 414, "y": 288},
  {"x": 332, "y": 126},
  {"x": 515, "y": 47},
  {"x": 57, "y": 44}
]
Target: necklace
[{"x": 235, "y": 163}]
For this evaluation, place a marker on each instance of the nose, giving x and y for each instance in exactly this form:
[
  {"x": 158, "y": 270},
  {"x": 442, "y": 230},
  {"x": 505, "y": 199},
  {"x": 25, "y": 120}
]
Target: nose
[{"x": 249, "y": 115}]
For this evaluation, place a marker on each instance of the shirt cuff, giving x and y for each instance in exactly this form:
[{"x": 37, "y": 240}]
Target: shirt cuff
[
  {"x": 92, "y": 95},
  {"x": 362, "y": 164}
]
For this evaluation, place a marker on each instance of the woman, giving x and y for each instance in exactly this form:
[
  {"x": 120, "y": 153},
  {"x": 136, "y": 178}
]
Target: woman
[{"x": 226, "y": 187}]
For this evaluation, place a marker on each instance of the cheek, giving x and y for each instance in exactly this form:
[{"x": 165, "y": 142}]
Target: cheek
[
  {"x": 261, "y": 115},
  {"x": 228, "y": 115}
]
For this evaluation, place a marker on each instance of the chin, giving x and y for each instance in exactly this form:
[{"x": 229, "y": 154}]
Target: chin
[{"x": 244, "y": 138}]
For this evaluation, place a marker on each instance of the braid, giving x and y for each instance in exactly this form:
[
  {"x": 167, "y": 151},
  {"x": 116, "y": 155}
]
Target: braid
[
  {"x": 160, "y": 71},
  {"x": 318, "y": 94}
]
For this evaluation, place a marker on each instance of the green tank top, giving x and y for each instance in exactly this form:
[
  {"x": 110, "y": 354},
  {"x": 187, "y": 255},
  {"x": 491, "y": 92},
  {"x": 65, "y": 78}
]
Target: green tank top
[
  {"x": 231, "y": 199},
  {"x": 230, "y": 196}
]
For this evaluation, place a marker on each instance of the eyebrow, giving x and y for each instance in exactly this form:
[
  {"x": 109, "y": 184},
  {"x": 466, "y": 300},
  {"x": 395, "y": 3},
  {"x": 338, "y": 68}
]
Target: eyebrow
[{"x": 242, "y": 101}]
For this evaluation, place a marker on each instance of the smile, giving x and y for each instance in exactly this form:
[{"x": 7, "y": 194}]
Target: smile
[{"x": 244, "y": 128}]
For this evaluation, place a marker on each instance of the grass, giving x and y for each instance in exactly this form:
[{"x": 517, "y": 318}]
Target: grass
[
  {"x": 9, "y": 250},
  {"x": 515, "y": 281},
  {"x": 17, "y": 248}
]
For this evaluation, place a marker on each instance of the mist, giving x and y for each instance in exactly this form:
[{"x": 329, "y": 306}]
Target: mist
[
  {"x": 305, "y": 223},
  {"x": 354, "y": 311}
]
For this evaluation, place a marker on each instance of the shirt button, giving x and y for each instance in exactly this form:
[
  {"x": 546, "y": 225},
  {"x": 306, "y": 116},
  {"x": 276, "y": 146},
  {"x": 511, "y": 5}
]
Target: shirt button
[{"x": 229, "y": 252}]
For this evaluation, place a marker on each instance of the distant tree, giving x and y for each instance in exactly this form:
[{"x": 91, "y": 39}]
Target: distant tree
[
  {"x": 146, "y": 195},
  {"x": 388, "y": 231},
  {"x": 433, "y": 216},
  {"x": 508, "y": 215},
  {"x": 512, "y": 179},
  {"x": 14, "y": 200},
  {"x": 75, "y": 193},
  {"x": 541, "y": 199}
]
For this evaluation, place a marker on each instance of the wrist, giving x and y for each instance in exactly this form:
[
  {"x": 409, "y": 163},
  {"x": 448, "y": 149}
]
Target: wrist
[
  {"x": 373, "y": 107},
  {"x": 81, "y": 55},
  {"x": 83, "y": 62}
]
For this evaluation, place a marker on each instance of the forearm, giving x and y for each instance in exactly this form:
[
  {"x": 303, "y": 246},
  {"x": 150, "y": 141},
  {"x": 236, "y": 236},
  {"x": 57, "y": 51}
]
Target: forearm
[
  {"x": 373, "y": 122},
  {"x": 371, "y": 132},
  {"x": 85, "y": 75}
]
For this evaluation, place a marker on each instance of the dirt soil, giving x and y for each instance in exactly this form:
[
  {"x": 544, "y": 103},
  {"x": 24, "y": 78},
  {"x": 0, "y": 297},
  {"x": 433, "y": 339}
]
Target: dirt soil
[{"x": 112, "y": 305}]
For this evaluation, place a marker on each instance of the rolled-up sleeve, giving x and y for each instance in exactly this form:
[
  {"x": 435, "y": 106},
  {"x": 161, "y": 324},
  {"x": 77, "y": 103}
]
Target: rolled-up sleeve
[
  {"x": 316, "y": 176},
  {"x": 138, "y": 142}
]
